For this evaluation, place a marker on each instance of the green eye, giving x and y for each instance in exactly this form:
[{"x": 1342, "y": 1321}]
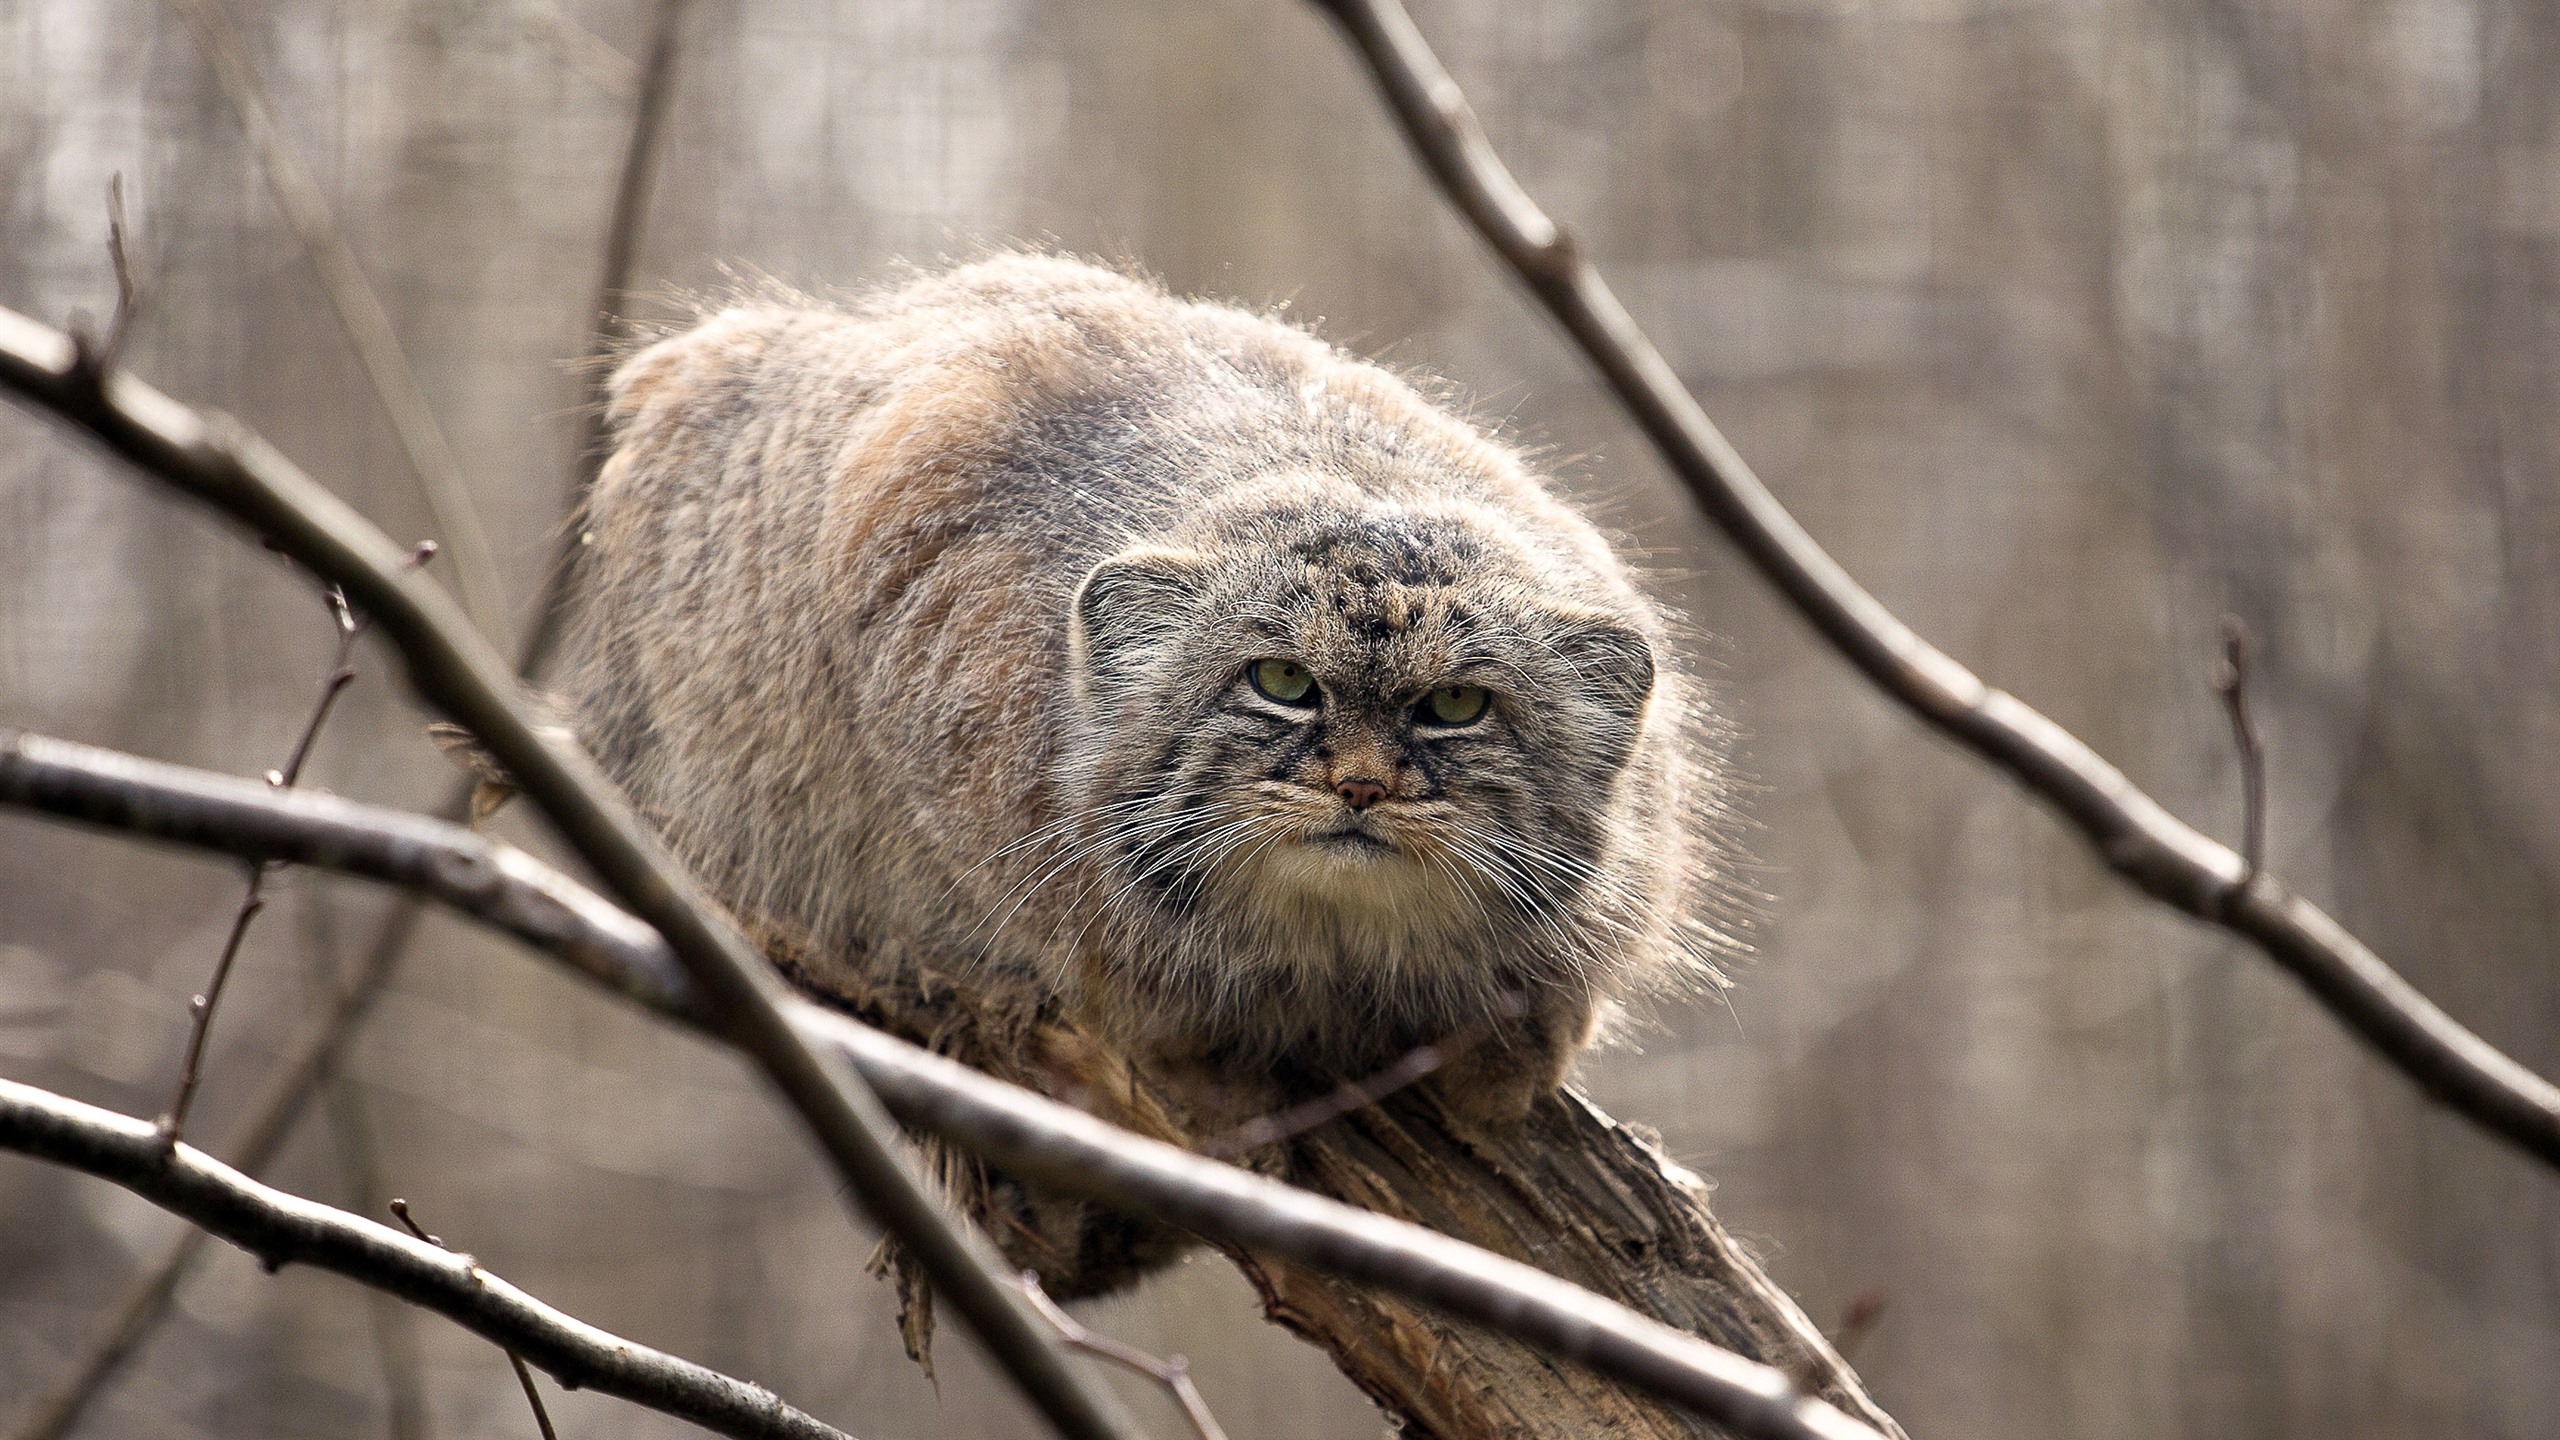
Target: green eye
[
  {"x": 1283, "y": 680},
  {"x": 1454, "y": 705}
]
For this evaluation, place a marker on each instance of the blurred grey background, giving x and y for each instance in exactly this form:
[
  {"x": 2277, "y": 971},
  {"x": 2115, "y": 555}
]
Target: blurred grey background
[{"x": 2068, "y": 326}]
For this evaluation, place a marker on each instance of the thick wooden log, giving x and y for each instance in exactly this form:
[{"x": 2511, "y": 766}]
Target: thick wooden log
[
  {"x": 1572, "y": 1192},
  {"x": 1569, "y": 1190}
]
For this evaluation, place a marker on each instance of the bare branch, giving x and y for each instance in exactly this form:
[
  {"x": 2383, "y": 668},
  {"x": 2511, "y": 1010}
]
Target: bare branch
[
  {"x": 1174, "y": 1374},
  {"x": 128, "y": 288},
  {"x": 2231, "y": 682},
  {"x": 200, "y": 1010},
  {"x": 218, "y": 463},
  {"x": 282, "y": 1229},
  {"x": 607, "y": 329},
  {"x": 1027, "y": 1135},
  {"x": 524, "y": 1377},
  {"x": 360, "y": 314},
  {"x": 252, "y": 1143},
  {"x": 2132, "y": 832},
  {"x": 310, "y": 1063}
]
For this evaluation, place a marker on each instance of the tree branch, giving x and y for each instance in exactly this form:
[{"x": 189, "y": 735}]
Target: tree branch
[
  {"x": 217, "y": 462},
  {"x": 1025, "y": 1134},
  {"x": 342, "y": 673},
  {"x": 309, "y": 1065},
  {"x": 607, "y": 328},
  {"x": 2135, "y": 835},
  {"x": 282, "y": 1229},
  {"x": 524, "y": 1376},
  {"x": 1172, "y": 1376},
  {"x": 251, "y": 1143}
]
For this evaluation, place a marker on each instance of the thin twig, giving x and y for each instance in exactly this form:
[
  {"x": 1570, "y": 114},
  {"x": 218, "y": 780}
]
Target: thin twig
[
  {"x": 307, "y": 1065},
  {"x": 251, "y": 1144},
  {"x": 607, "y": 329},
  {"x": 2231, "y": 681},
  {"x": 1173, "y": 1373},
  {"x": 524, "y": 1377},
  {"x": 220, "y": 464},
  {"x": 200, "y": 1009},
  {"x": 128, "y": 288},
  {"x": 1023, "y": 1134},
  {"x": 147, "y": 1300},
  {"x": 2153, "y": 849},
  {"x": 173, "y": 1120},
  {"x": 360, "y": 314},
  {"x": 282, "y": 1229}
]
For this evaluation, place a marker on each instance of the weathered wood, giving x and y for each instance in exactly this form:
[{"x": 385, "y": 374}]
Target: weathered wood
[{"x": 1570, "y": 1190}]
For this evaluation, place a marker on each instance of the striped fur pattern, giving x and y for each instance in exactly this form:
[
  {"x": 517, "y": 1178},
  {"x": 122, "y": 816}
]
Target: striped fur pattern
[{"x": 925, "y": 626}]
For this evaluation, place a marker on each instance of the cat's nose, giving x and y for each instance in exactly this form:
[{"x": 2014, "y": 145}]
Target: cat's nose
[{"x": 1360, "y": 794}]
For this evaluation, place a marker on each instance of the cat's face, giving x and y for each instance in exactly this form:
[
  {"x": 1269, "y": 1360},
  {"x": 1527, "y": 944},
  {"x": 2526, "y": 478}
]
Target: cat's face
[{"x": 1379, "y": 732}]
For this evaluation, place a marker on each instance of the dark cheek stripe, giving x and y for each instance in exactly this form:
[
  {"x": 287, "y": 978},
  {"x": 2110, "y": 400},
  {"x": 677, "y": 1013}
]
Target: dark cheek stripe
[
  {"x": 1281, "y": 761},
  {"x": 1428, "y": 757}
]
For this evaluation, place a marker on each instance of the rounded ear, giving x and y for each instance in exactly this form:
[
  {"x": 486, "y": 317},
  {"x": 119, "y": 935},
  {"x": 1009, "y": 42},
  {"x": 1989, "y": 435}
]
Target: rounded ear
[
  {"x": 1130, "y": 601},
  {"x": 1612, "y": 660}
]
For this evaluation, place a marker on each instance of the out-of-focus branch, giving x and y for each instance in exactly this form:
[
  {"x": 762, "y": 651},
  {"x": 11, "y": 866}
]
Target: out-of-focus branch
[
  {"x": 2231, "y": 681},
  {"x": 282, "y": 1229},
  {"x": 1025, "y": 1134},
  {"x": 312, "y": 1061},
  {"x": 607, "y": 328},
  {"x": 251, "y": 1144},
  {"x": 2132, "y": 832},
  {"x": 360, "y": 314},
  {"x": 291, "y": 1085},
  {"x": 587, "y": 52},
  {"x": 218, "y": 463}
]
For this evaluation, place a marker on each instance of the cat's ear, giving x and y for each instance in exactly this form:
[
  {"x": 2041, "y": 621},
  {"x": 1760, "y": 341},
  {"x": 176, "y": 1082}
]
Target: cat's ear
[
  {"x": 1130, "y": 602},
  {"x": 1612, "y": 661}
]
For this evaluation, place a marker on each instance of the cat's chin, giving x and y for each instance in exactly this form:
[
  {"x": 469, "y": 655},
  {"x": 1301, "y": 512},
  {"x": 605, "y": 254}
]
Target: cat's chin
[
  {"x": 1353, "y": 848},
  {"x": 1346, "y": 870}
]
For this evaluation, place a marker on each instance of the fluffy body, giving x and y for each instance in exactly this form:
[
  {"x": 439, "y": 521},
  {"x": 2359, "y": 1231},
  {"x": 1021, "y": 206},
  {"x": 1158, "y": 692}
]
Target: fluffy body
[{"x": 925, "y": 627}]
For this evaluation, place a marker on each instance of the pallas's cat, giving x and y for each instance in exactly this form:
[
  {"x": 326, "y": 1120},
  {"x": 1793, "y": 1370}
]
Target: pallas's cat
[{"x": 1146, "y": 658}]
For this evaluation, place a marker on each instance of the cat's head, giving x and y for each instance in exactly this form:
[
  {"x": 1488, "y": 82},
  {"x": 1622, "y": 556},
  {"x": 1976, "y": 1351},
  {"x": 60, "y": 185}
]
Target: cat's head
[{"x": 1324, "y": 729}]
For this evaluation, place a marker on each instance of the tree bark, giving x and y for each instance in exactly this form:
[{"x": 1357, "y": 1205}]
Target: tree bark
[
  {"x": 1576, "y": 1194},
  {"x": 1570, "y": 1191}
]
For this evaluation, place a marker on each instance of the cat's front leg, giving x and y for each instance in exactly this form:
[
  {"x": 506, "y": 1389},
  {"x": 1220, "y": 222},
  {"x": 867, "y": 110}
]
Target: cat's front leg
[{"x": 1495, "y": 1081}]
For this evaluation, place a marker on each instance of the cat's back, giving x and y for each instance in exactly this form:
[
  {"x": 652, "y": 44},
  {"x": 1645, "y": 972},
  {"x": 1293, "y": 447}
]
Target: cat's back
[
  {"x": 827, "y": 566},
  {"x": 822, "y": 570}
]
